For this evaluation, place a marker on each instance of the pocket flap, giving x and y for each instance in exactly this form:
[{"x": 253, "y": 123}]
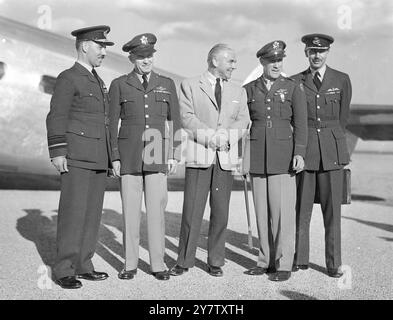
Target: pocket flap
[
  {"x": 283, "y": 133},
  {"x": 338, "y": 133},
  {"x": 127, "y": 98},
  {"x": 161, "y": 96},
  {"x": 81, "y": 129}
]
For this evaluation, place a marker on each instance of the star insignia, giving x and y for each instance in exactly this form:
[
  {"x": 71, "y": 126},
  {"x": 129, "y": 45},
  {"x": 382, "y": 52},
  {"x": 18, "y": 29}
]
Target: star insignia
[{"x": 144, "y": 40}]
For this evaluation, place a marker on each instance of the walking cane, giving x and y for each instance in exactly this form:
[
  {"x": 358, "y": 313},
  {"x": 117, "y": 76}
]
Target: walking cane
[{"x": 247, "y": 211}]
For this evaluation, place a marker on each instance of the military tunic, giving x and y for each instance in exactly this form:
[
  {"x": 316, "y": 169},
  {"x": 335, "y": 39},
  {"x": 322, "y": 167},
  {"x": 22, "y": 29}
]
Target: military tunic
[
  {"x": 150, "y": 116},
  {"x": 279, "y": 129}
]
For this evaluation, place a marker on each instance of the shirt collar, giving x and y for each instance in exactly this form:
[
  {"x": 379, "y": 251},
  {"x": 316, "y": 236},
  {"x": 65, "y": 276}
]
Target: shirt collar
[
  {"x": 321, "y": 71},
  {"x": 85, "y": 65},
  {"x": 140, "y": 76}
]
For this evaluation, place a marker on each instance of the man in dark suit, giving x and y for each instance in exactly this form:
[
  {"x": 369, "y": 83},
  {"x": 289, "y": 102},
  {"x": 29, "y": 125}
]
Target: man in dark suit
[
  {"x": 78, "y": 140},
  {"x": 144, "y": 150},
  {"x": 214, "y": 114},
  {"x": 328, "y": 93},
  {"x": 278, "y": 138}
]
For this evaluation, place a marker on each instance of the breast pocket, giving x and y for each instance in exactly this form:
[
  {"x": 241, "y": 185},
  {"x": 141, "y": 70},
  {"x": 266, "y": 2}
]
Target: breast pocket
[
  {"x": 282, "y": 107},
  {"x": 90, "y": 101},
  {"x": 129, "y": 105},
  {"x": 163, "y": 100},
  {"x": 341, "y": 145},
  {"x": 333, "y": 104},
  {"x": 82, "y": 142}
]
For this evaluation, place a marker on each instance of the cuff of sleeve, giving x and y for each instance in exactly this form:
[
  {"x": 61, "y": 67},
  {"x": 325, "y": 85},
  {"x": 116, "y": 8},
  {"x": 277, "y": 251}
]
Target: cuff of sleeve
[
  {"x": 115, "y": 155},
  {"x": 300, "y": 150},
  {"x": 57, "y": 152}
]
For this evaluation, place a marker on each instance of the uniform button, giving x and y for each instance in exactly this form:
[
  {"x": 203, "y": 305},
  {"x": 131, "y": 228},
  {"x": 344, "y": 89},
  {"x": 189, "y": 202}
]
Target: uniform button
[
  {"x": 82, "y": 133},
  {"x": 147, "y": 126},
  {"x": 268, "y": 100},
  {"x": 317, "y": 95},
  {"x": 268, "y": 108},
  {"x": 335, "y": 162},
  {"x": 319, "y": 130},
  {"x": 146, "y": 106},
  {"x": 146, "y": 116},
  {"x": 145, "y": 95},
  {"x": 318, "y": 119},
  {"x": 90, "y": 94},
  {"x": 318, "y": 107},
  {"x": 268, "y": 117}
]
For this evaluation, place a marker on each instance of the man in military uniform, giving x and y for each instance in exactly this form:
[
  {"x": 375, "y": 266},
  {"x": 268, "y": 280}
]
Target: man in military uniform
[
  {"x": 78, "y": 140},
  {"x": 278, "y": 137},
  {"x": 328, "y": 93},
  {"x": 143, "y": 151},
  {"x": 214, "y": 115}
]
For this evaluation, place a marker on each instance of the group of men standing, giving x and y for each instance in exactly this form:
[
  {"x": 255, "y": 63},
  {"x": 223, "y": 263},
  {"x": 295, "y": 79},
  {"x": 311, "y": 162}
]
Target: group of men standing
[{"x": 296, "y": 148}]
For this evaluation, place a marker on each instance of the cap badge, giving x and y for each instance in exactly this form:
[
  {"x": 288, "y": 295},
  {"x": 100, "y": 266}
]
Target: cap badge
[
  {"x": 316, "y": 41},
  {"x": 276, "y": 45},
  {"x": 144, "y": 40}
]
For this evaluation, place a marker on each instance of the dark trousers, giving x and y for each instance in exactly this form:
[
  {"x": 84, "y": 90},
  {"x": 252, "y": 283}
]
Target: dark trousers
[
  {"x": 198, "y": 183},
  {"x": 79, "y": 217},
  {"x": 329, "y": 185}
]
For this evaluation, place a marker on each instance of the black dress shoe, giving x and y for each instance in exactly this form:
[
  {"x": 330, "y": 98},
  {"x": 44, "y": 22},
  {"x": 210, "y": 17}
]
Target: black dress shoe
[
  {"x": 126, "y": 274},
  {"x": 161, "y": 275},
  {"x": 215, "y": 271},
  {"x": 69, "y": 283},
  {"x": 297, "y": 267},
  {"x": 280, "y": 276},
  {"x": 93, "y": 276},
  {"x": 177, "y": 270},
  {"x": 335, "y": 273},
  {"x": 256, "y": 271}
]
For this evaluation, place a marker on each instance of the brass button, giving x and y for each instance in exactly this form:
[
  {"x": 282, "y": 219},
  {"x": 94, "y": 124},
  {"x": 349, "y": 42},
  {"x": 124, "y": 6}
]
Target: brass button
[
  {"x": 146, "y": 106},
  {"x": 319, "y": 130},
  {"x": 268, "y": 100},
  {"x": 147, "y": 126},
  {"x": 145, "y": 95},
  {"x": 146, "y": 116},
  {"x": 317, "y": 95}
]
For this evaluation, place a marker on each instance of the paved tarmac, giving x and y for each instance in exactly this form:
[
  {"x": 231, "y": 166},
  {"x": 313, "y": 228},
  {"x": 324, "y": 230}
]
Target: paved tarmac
[{"x": 28, "y": 232}]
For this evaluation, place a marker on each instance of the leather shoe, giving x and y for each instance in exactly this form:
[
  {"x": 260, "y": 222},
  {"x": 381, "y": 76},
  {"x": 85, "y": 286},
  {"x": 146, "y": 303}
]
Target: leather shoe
[
  {"x": 161, "y": 275},
  {"x": 256, "y": 271},
  {"x": 335, "y": 273},
  {"x": 126, "y": 274},
  {"x": 69, "y": 283},
  {"x": 93, "y": 276},
  {"x": 297, "y": 267},
  {"x": 215, "y": 271},
  {"x": 280, "y": 276},
  {"x": 177, "y": 270}
]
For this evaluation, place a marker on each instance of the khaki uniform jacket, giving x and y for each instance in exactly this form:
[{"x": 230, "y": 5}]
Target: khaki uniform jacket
[
  {"x": 150, "y": 123},
  {"x": 77, "y": 123},
  {"x": 327, "y": 112},
  {"x": 201, "y": 119},
  {"x": 279, "y": 125}
]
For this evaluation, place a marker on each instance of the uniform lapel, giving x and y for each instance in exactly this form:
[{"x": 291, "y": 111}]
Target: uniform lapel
[
  {"x": 261, "y": 85},
  {"x": 153, "y": 81},
  {"x": 83, "y": 71},
  {"x": 327, "y": 79},
  {"x": 207, "y": 89},
  {"x": 133, "y": 80}
]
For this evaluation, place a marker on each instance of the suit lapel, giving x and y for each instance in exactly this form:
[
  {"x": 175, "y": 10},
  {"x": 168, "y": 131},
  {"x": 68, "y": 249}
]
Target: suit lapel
[{"x": 207, "y": 89}]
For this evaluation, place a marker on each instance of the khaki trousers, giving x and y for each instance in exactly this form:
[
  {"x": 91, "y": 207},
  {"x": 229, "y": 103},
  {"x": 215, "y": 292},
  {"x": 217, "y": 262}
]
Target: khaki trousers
[
  {"x": 156, "y": 197},
  {"x": 275, "y": 200}
]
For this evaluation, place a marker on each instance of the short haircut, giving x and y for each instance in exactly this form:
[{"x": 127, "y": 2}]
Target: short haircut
[
  {"x": 215, "y": 50},
  {"x": 78, "y": 44}
]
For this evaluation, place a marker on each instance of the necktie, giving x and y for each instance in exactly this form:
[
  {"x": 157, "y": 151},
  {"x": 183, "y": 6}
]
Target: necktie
[
  {"x": 217, "y": 93},
  {"x": 316, "y": 80},
  {"x": 94, "y": 72},
  {"x": 144, "y": 83}
]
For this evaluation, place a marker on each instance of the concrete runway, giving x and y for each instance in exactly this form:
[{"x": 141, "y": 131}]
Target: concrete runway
[{"x": 28, "y": 231}]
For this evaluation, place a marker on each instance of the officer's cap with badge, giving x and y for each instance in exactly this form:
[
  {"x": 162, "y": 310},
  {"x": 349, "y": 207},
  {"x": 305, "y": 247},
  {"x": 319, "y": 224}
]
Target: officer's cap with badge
[
  {"x": 95, "y": 33},
  {"x": 273, "y": 51},
  {"x": 141, "y": 45},
  {"x": 317, "y": 41}
]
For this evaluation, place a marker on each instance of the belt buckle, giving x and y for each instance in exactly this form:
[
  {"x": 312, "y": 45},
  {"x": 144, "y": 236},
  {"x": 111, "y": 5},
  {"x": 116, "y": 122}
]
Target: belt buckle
[{"x": 269, "y": 124}]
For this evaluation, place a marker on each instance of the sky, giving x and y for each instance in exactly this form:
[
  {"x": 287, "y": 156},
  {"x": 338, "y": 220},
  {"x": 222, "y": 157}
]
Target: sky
[{"x": 187, "y": 29}]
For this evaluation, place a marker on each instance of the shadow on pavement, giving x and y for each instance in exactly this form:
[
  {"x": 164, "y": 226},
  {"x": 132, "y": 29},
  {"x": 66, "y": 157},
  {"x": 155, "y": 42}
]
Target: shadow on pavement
[
  {"x": 41, "y": 230},
  {"x": 294, "y": 295},
  {"x": 363, "y": 197},
  {"x": 382, "y": 226}
]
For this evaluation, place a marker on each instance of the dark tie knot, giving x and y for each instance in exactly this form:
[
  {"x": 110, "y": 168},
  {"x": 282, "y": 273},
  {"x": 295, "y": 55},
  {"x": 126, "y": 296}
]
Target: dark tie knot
[
  {"x": 218, "y": 80},
  {"x": 144, "y": 83}
]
